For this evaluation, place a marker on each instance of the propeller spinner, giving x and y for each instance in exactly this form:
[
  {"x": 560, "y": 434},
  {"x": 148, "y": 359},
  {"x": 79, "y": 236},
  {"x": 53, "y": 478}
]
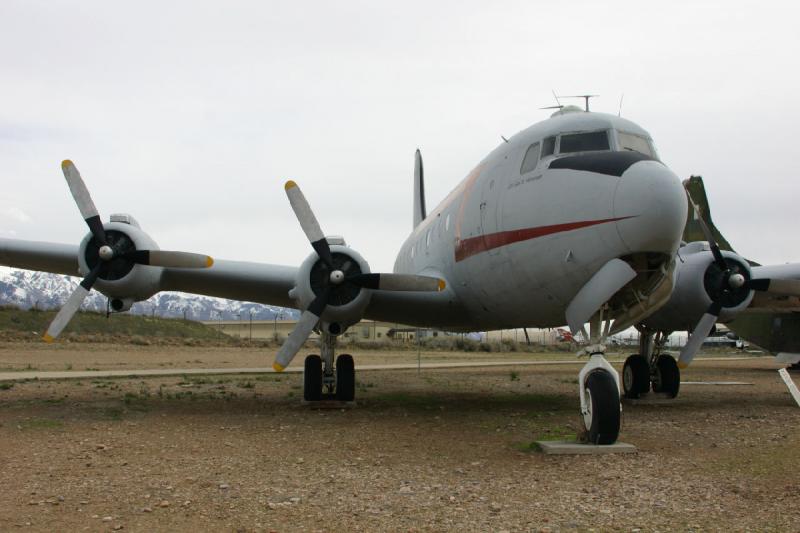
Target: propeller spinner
[
  {"x": 731, "y": 281},
  {"x": 108, "y": 252},
  {"x": 341, "y": 276}
]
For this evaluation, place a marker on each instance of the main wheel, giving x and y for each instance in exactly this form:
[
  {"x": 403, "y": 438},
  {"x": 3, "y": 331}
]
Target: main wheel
[
  {"x": 602, "y": 421},
  {"x": 345, "y": 378},
  {"x": 668, "y": 376},
  {"x": 635, "y": 376},
  {"x": 312, "y": 379}
]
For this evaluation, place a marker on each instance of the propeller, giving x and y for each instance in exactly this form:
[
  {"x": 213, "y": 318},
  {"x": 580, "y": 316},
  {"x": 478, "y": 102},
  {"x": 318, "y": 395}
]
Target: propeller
[
  {"x": 731, "y": 281},
  {"x": 108, "y": 251},
  {"x": 340, "y": 274}
]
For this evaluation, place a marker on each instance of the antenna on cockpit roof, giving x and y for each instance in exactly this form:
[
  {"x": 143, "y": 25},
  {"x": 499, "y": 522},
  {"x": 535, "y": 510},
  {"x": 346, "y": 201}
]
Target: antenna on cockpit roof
[
  {"x": 619, "y": 113},
  {"x": 585, "y": 97},
  {"x": 558, "y": 102}
]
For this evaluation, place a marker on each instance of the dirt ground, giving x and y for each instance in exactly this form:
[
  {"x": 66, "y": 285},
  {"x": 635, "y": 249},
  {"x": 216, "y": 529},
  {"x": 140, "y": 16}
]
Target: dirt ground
[{"x": 440, "y": 450}]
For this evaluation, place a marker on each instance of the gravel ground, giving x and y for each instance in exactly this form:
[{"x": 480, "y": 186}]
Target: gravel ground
[{"x": 443, "y": 450}]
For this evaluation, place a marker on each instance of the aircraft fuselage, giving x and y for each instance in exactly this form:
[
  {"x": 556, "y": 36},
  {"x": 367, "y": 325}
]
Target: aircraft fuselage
[{"x": 517, "y": 238}]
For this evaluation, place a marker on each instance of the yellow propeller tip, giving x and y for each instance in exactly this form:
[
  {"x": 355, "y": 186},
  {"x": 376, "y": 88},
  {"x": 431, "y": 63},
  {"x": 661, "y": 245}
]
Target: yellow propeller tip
[
  {"x": 442, "y": 285},
  {"x": 682, "y": 365},
  {"x": 277, "y": 367},
  {"x": 47, "y": 338},
  {"x": 66, "y": 163},
  {"x": 209, "y": 262},
  {"x": 289, "y": 184}
]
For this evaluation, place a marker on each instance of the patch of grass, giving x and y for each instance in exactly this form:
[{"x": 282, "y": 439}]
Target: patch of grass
[
  {"x": 40, "y": 423},
  {"x": 6, "y": 385},
  {"x": 514, "y": 375},
  {"x": 246, "y": 384}
]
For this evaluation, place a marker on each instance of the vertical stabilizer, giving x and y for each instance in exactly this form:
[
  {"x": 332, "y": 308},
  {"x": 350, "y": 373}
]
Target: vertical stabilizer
[{"x": 419, "y": 190}]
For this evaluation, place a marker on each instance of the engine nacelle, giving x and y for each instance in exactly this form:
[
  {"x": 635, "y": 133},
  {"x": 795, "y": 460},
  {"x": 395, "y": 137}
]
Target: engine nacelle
[
  {"x": 123, "y": 280},
  {"x": 698, "y": 282},
  {"x": 347, "y": 301}
]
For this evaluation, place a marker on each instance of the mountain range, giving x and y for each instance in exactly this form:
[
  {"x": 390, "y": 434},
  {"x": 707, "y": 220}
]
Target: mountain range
[{"x": 26, "y": 289}]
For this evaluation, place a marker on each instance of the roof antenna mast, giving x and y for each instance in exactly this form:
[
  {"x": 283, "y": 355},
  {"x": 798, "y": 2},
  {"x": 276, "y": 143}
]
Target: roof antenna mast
[
  {"x": 619, "y": 113},
  {"x": 585, "y": 97}
]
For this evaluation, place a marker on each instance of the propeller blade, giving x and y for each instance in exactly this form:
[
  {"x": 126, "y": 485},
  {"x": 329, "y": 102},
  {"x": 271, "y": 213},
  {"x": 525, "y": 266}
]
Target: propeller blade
[
  {"x": 788, "y": 287},
  {"x": 308, "y": 222},
  {"x": 699, "y": 335},
  {"x": 84, "y": 200},
  {"x": 709, "y": 235},
  {"x": 166, "y": 258},
  {"x": 398, "y": 282},
  {"x": 72, "y": 305},
  {"x": 300, "y": 333}
]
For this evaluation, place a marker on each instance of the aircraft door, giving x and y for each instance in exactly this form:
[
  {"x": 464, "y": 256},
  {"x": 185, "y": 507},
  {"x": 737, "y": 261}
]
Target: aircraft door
[{"x": 491, "y": 205}]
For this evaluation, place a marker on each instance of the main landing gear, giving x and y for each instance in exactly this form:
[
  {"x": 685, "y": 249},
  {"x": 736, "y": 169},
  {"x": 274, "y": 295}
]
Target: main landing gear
[
  {"x": 324, "y": 381},
  {"x": 651, "y": 367}
]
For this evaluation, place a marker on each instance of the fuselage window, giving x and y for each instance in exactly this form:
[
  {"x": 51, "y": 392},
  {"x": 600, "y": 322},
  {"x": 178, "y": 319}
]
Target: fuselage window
[
  {"x": 447, "y": 223},
  {"x": 548, "y": 146},
  {"x": 531, "y": 158},
  {"x": 584, "y": 142},
  {"x": 412, "y": 251},
  {"x": 634, "y": 143},
  {"x": 428, "y": 239}
]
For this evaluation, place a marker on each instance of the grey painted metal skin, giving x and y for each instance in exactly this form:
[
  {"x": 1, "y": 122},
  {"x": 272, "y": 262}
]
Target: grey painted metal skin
[{"x": 526, "y": 283}]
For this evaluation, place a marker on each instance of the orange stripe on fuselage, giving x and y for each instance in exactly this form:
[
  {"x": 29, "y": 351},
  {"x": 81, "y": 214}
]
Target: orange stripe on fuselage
[{"x": 482, "y": 243}]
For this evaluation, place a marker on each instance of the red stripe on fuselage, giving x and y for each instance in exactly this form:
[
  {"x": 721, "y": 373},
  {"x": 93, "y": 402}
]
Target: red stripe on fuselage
[{"x": 482, "y": 243}]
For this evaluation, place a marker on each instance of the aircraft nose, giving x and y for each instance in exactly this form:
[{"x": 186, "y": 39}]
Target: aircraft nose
[{"x": 652, "y": 198}]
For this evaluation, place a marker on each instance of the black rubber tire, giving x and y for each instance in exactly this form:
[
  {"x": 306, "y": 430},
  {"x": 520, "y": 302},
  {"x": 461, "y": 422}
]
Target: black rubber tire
[
  {"x": 668, "y": 376},
  {"x": 604, "y": 398},
  {"x": 312, "y": 379},
  {"x": 345, "y": 378},
  {"x": 635, "y": 376}
]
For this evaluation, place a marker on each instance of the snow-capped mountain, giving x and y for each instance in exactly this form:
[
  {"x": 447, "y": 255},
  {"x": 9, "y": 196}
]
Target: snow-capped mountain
[{"x": 26, "y": 289}]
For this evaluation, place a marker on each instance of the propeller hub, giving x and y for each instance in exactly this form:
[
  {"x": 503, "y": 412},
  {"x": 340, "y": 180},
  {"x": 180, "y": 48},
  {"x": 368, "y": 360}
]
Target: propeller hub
[
  {"x": 337, "y": 277},
  {"x": 106, "y": 253},
  {"x": 736, "y": 281}
]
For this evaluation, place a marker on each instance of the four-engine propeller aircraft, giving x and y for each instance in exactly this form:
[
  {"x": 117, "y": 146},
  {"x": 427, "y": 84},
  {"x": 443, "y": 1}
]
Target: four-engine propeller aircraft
[
  {"x": 771, "y": 321},
  {"x": 572, "y": 220}
]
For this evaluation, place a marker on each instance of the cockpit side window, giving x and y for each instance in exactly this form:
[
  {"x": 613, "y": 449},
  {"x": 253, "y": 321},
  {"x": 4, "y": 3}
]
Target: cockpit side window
[
  {"x": 635, "y": 143},
  {"x": 584, "y": 142},
  {"x": 549, "y": 146},
  {"x": 531, "y": 158}
]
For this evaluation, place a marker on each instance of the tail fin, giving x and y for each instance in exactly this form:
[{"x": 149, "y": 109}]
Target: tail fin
[
  {"x": 693, "y": 232},
  {"x": 419, "y": 190}
]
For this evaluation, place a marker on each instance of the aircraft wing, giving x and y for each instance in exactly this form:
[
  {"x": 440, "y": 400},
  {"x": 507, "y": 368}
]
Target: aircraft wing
[
  {"x": 42, "y": 256},
  {"x": 235, "y": 280},
  {"x": 766, "y": 302},
  {"x": 245, "y": 281}
]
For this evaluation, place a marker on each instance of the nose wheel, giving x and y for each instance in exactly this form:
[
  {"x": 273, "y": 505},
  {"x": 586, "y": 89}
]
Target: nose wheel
[{"x": 600, "y": 401}]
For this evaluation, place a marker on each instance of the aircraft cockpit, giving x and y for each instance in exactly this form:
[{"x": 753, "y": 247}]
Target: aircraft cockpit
[{"x": 597, "y": 141}]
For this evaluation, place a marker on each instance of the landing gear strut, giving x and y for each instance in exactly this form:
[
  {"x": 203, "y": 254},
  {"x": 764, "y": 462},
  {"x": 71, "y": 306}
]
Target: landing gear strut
[
  {"x": 324, "y": 381},
  {"x": 598, "y": 386},
  {"x": 651, "y": 366}
]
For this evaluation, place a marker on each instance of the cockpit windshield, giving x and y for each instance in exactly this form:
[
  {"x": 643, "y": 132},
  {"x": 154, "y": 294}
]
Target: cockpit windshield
[
  {"x": 584, "y": 142},
  {"x": 635, "y": 143}
]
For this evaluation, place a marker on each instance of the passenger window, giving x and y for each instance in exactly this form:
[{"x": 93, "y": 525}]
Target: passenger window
[
  {"x": 584, "y": 142},
  {"x": 531, "y": 158},
  {"x": 428, "y": 239},
  {"x": 634, "y": 143},
  {"x": 447, "y": 223},
  {"x": 548, "y": 146}
]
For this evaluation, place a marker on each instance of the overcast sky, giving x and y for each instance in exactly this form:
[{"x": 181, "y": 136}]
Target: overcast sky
[{"x": 191, "y": 115}]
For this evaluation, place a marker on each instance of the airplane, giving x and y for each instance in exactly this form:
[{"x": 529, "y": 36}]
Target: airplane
[
  {"x": 573, "y": 220},
  {"x": 771, "y": 321}
]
